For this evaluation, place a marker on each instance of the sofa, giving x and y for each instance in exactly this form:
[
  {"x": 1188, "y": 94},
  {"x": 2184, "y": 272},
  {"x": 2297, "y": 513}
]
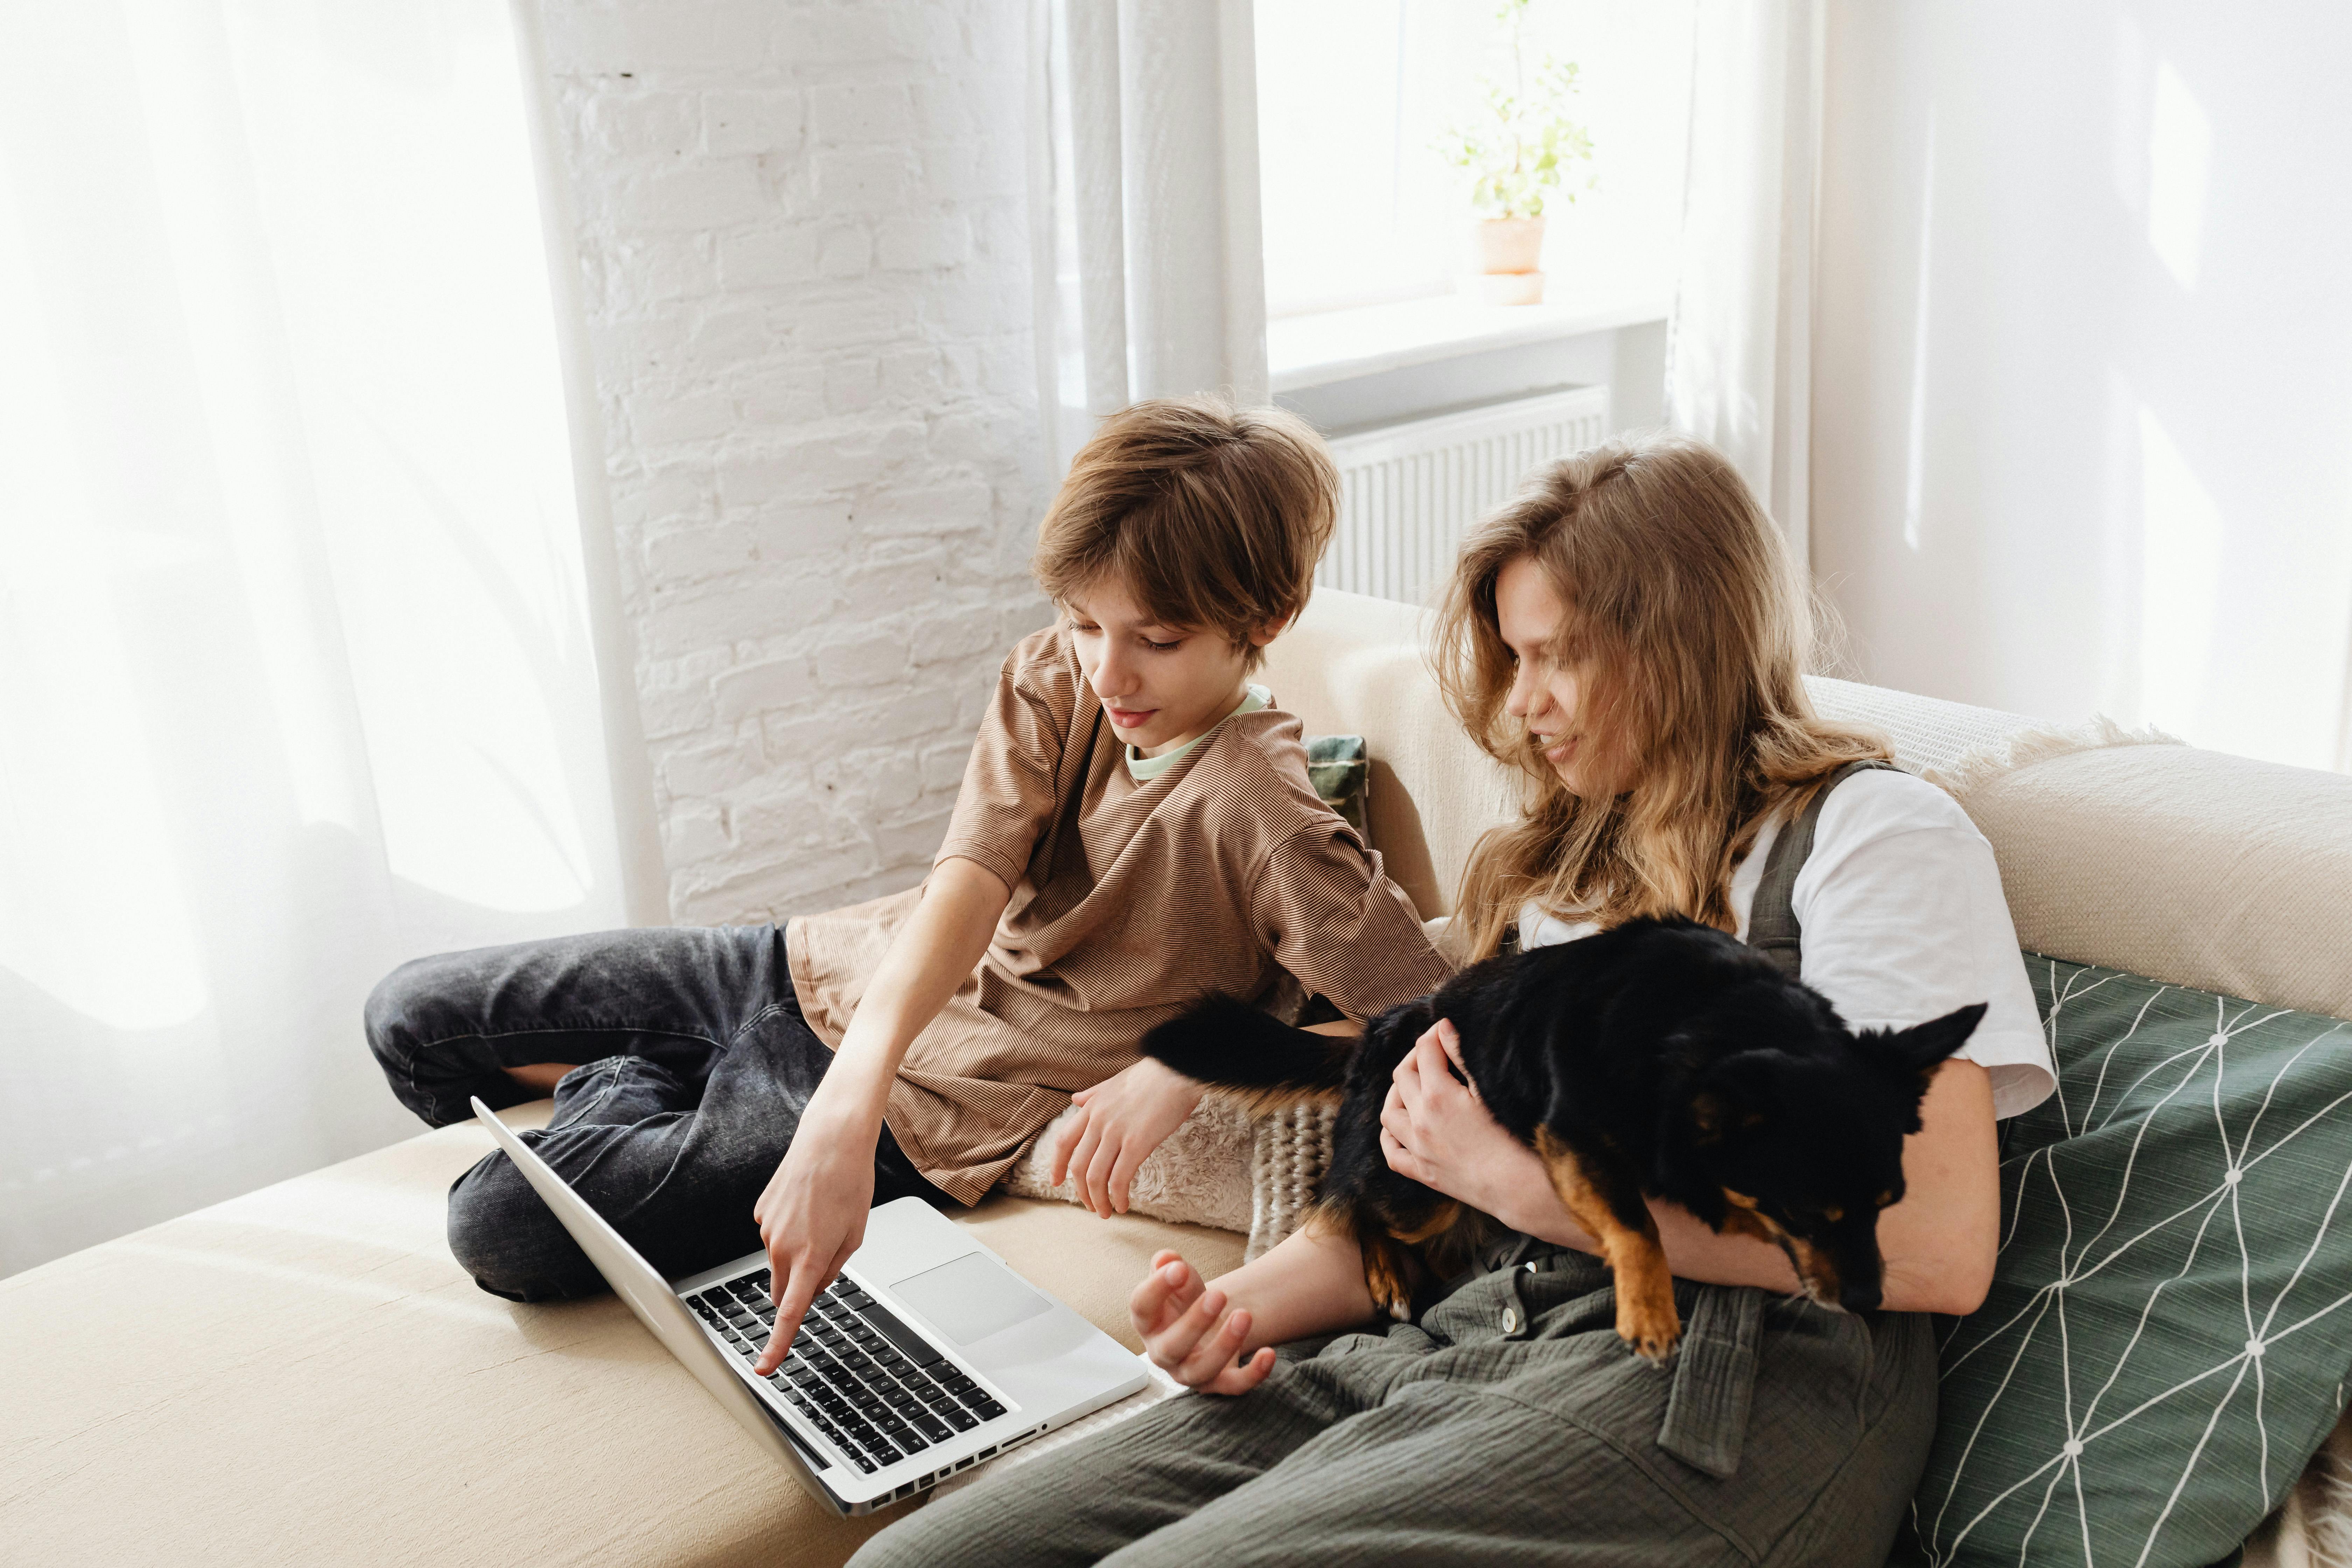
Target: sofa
[{"x": 303, "y": 1374}]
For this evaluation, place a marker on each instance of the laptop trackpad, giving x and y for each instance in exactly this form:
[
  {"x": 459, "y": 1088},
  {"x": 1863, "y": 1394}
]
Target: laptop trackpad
[{"x": 970, "y": 1298}]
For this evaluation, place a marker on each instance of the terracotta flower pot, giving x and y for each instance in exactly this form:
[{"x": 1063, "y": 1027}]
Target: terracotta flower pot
[
  {"x": 1510, "y": 259},
  {"x": 1510, "y": 244}
]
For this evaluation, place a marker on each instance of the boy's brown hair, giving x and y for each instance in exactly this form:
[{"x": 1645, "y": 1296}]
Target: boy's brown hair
[{"x": 1209, "y": 515}]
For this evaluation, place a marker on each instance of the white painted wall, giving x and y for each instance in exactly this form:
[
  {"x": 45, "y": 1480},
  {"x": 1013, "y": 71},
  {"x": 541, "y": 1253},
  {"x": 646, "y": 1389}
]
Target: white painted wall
[
  {"x": 2082, "y": 373},
  {"x": 804, "y": 236}
]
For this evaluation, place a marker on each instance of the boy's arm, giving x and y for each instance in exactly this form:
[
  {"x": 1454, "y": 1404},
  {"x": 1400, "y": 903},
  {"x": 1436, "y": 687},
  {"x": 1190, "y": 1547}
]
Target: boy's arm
[
  {"x": 1214, "y": 1337},
  {"x": 813, "y": 1215},
  {"x": 1341, "y": 927}
]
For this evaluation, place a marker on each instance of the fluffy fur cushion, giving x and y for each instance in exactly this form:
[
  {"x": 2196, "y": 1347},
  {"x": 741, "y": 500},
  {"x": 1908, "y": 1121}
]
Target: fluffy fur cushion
[{"x": 1200, "y": 1176}]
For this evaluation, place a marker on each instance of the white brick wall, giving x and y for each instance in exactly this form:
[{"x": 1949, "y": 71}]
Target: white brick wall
[{"x": 803, "y": 237}]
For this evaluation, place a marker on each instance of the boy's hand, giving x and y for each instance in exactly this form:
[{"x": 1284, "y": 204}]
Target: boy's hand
[
  {"x": 812, "y": 1217},
  {"x": 1119, "y": 1121},
  {"x": 1178, "y": 1317}
]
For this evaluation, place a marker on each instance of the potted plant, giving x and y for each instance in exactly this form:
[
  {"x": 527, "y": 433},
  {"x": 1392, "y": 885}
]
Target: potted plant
[{"x": 1515, "y": 152}]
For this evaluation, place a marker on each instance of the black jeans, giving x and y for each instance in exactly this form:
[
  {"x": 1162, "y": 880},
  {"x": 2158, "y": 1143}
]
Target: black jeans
[{"x": 695, "y": 1067}]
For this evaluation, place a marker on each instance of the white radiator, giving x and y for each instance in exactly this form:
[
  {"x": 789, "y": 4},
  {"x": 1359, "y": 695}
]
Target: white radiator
[{"x": 1409, "y": 493}]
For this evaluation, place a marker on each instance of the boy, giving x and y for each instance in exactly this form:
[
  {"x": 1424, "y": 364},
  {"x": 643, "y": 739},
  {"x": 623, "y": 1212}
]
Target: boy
[{"x": 1135, "y": 828}]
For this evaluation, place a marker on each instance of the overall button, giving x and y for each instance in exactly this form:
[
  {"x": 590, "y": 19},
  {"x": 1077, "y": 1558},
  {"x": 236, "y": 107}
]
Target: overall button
[{"x": 1510, "y": 1319}]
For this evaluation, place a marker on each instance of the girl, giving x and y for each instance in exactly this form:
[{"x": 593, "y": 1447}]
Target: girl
[{"x": 1625, "y": 635}]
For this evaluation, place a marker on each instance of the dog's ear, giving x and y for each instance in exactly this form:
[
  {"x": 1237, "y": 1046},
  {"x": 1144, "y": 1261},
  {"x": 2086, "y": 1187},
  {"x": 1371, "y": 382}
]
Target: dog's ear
[
  {"x": 1736, "y": 1092},
  {"x": 1710, "y": 1113},
  {"x": 1923, "y": 1048}
]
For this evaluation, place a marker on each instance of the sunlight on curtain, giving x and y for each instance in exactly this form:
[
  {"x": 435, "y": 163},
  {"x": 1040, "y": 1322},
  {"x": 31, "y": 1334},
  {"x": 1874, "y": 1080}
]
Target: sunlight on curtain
[
  {"x": 296, "y": 680},
  {"x": 1739, "y": 350}
]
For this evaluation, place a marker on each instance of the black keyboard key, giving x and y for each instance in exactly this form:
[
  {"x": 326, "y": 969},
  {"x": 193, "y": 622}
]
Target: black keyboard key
[
  {"x": 954, "y": 1379},
  {"x": 898, "y": 1399},
  {"x": 889, "y": 1454},
  {"x": 869, "y": 1465},
  {"x": 914, "y": 1442},
  {"x": 939, "y": 1401},
  {"x": 961, "y": 1420},
  {"x": 988, "y": 1409},
  {"x": 931, "y": 1427},
  {"x": 916, "y": 1347}
]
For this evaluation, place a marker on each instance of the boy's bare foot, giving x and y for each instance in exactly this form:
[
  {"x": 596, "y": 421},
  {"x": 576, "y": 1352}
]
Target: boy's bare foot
[{"x": 541, "y": 1076}]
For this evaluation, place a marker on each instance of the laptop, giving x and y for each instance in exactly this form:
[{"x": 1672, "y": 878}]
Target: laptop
[{"x": 926, "y": 1356}]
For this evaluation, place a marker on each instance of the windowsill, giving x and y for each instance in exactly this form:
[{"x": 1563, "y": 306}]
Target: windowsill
[{"x": 1337, "y": 345}]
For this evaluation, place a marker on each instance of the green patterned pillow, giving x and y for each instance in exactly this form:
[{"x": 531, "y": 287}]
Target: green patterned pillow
[
  {"x": 2168, "y": 1336},
  {"x": 1340, "y": 769}
]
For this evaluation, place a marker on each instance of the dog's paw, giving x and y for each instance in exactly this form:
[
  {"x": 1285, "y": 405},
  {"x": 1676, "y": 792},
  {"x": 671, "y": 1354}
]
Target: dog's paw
[
  {"x": 1656, "y": 1349},
  {"x": 1649, "y": 1324}
]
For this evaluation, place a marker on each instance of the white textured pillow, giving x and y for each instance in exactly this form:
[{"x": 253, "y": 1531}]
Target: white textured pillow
[{"x": 2141, "y": 854}]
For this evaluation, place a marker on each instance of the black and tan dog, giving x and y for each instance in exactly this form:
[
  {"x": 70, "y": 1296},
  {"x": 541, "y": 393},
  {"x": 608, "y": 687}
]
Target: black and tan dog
[{"x": 1662, "y": 1059}]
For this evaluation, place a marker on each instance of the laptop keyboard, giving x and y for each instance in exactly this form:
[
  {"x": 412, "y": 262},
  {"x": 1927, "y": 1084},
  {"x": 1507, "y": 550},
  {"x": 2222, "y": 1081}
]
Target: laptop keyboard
[{"x": 866, "y": 1380}]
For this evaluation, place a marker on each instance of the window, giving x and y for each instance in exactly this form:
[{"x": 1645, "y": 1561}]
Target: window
[{"x": 1360, "y": 208}]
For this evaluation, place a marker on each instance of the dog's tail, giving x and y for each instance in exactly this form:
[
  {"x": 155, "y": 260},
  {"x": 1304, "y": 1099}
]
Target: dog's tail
[{"x": 1231, "y": 1046}]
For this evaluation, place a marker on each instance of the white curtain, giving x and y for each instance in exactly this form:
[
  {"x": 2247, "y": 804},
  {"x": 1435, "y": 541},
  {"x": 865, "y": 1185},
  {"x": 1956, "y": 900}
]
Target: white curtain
[
  {"x": 297, "y": 668},
  {"x": 1739, "y": 357},
  {"x": 1150, "y": 269}
]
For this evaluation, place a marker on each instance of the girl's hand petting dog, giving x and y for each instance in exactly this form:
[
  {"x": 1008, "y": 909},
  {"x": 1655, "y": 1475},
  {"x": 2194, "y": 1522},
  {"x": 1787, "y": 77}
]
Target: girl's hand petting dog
[
  {"x": 1188, "y": 1333},
  {"x": 1434, "y": 1130},
  {"x": 1119, "y": 1121}
]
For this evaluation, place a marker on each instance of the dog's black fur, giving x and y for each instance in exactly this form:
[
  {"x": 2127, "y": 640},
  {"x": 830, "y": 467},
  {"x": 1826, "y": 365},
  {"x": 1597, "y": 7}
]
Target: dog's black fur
[{"x": 1662, "y": 1059}]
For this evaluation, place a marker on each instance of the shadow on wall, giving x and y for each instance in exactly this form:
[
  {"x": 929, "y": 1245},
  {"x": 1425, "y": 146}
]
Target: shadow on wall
[{"x": 2082, "y": 374}]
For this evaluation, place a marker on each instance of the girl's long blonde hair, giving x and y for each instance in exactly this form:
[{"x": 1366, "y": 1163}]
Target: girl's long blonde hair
[{"x": 1693, "y": 636}]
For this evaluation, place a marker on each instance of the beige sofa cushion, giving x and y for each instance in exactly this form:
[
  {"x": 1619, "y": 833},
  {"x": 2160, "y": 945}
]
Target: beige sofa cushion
[
  {"x": 1354, "y": 665},
  {"x": 302, "y": 1375},
  {"x": 2187, "y": 865}
]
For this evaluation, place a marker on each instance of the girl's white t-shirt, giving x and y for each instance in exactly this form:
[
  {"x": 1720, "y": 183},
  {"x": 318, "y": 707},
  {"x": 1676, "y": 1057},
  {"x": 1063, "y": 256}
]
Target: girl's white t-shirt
[{"x": 1904, "y": 919}]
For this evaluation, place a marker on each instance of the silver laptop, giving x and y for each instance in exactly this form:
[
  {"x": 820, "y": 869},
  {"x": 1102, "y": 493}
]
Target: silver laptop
[{"x": 926, "y": 1356}]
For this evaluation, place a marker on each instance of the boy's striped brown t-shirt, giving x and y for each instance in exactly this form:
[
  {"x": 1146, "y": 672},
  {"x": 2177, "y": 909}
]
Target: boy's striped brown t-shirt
[{"x": 1130, "y": 899}]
